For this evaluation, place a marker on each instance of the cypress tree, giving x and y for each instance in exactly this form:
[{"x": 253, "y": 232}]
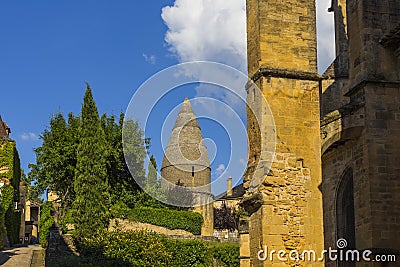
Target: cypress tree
[
  {"x": 91, "y": 187},
  {"x": 152, "y": 172}
]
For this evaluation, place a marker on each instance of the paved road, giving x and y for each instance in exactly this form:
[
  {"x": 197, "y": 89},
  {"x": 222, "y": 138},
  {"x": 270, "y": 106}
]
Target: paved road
[{"x": 21, "y": 256}]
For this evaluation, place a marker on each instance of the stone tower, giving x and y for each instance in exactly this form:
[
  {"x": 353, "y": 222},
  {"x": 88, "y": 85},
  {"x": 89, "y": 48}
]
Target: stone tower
[
  {"x": 186, "y": 163},
  {"x": 286, "y": 210}
]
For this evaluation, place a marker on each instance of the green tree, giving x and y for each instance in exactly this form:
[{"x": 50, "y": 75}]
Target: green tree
[
  {"x": 92, "y": 198},
  {"x": 56, "y": 160},
  {"x": 152, "y": 171},
  {"x": 123, "y": 185},
  {"x": 134, "y": 150},
  {"x": 225, "y": 218}
]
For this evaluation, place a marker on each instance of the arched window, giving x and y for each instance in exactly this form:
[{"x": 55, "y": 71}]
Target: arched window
[{"x": 345, "y": 219}]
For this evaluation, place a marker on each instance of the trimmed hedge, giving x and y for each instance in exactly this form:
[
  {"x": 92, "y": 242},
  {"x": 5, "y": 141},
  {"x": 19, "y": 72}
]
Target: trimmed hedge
[
  {"x": 145, "y": 248},
  {"x": 171, "y": 219},
  {"x": 188, "y": 252},
  {"x": 226, "y": 254},
  {"x": 133, "y": 248}
]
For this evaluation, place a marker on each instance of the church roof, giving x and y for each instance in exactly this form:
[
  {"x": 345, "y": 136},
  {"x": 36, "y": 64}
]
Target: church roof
[{"x": 186, "y": 147}]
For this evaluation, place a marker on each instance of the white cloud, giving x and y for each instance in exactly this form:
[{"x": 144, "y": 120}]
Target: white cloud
[
  {"x": 213, "y": 30},
  {"x": 29, "y": 136},
  {"x": 220, "y": 169},
  {"x": 150, "y": 58}
]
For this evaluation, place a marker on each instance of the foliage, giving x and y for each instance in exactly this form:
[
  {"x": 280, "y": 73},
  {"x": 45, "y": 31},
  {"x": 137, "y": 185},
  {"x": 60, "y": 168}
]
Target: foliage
[
  {"x": 68, "y": 219},
  {"x": 226, "y": 254},
  {"x": 171, "y": 219},
  {"x": 134, "y": 150},
  {"x": 7, "y": 215},
  {"x": 145, "y": 248},
  {"x": 122, "y": 184},
  {"x": 119, "y": 210},
  {"x": 85, "y": 261},
  {"x": 7, "y": 196},
  {"x": 10, "y": 193},
  {"x": 83, "y": 160},
  {"x": 56, "y": 160},
  {"x": 225, "y": 218},
  {"x": 188, "y": 252},
  {"x": 46, "y": 221},
  {"x": 91, "y": 185},
  {"x": 13, "y": 223},
  {"x": 153, "y": 196},
  {"x": 138, "y": 248},
  {"x": 152, "y": 172}
]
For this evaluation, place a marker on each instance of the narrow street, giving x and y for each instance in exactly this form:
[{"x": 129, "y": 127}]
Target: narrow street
[{"x": 23, "y": 256}]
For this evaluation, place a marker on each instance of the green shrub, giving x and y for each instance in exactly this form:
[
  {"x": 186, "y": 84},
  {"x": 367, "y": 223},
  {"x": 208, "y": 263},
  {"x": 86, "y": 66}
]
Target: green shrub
[
  {"x": 46, "y": 221},
  {"x": 68, "y": 219},
  {"x": 226, "y": 254},
  {"x": 188, "y": 252},
  {"x": 140, "y": 248},
  {"x": 84, "y": 261},
  {"x": 171, "y": 219},
  {"x": 119, "y": 210},
  {"x": 145, "y": 248}
]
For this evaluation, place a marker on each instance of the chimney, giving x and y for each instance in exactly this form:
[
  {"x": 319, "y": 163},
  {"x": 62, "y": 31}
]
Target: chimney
[{"x": 229, "y": 187}]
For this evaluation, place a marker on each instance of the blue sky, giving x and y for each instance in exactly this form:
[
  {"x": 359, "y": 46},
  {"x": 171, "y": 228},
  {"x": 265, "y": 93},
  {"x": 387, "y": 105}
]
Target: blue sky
[{"x": 49, "y": 49}]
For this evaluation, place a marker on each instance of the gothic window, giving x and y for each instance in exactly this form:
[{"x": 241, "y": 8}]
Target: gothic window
[{"x": 345, "y": 219}]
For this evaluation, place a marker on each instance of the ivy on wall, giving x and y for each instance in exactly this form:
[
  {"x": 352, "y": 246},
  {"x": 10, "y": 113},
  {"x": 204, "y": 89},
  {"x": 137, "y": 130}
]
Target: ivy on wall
[{"x": 10, "y": 221}]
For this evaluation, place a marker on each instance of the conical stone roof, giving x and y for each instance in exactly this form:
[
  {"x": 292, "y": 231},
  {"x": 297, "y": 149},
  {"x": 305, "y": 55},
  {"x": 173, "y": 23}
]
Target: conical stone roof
[{"x": 186, "y": 149}]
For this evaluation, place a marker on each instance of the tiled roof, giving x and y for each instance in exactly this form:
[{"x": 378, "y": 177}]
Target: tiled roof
[{"x": 237, "y": 192}]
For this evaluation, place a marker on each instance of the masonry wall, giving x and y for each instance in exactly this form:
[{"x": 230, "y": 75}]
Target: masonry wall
[
  {"x": 286, "y": 210},
  {"x": 336, "y": 162},
  {"x": 382, "y": 141},
  {"x": 372, "y": 154},
  {"x": 368, "y": 22},
  {"x": 290, "y": 216},
  {"x": 290, "y": 213}
]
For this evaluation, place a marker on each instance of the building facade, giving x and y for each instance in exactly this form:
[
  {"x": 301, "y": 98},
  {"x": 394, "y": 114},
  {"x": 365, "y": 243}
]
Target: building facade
[
  {"x": 10, "y": 176},
  {"x": 360, "y": 122},
  {"x": 334, "y": 174}
]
